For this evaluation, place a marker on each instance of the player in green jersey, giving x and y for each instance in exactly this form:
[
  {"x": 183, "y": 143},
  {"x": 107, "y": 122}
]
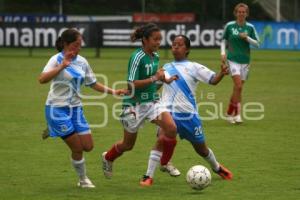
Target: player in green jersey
[
  {"x": 238, "y": 36},
  {"x": 143, "y": 103}
]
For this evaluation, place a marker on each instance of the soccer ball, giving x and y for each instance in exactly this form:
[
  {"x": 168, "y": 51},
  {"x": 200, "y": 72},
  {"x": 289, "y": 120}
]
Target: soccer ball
[{"x": 198, "y": 177}]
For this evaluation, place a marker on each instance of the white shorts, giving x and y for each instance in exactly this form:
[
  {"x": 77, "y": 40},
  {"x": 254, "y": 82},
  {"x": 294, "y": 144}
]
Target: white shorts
[
  {"x": 239, "y": 69},
  {"x": 133, "y": 117}
]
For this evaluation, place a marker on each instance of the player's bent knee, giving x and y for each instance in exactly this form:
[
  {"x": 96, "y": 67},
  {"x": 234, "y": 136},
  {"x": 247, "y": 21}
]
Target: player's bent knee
[
  {"x": 167, "y": 139},
  {"x": 169, "y": 128},
  {"x": 88, "y": 148},
  {"x": 171, "y": 131}
]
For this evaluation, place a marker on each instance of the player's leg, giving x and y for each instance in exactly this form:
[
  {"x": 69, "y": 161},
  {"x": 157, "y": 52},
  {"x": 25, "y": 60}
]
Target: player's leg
[
  {"x": 240, "y": 83},
  {"x": 74, "y": 143},
  {"x": 165, "y": 142},
  {"x": 190, "y": 128},
  {"x": 116, "y": 151},
  {"x": 60, "y": 124},
  {"x": 165, "y": 164},
  {"x": 237, "y": 89},
  {"x": 82, "y": 128},
  {"x": 131, "y": 118},
  {"x": 234, "y": 104},
  {"x": 81, "y": 140},
  {"x": 234, "y": 107},
  {"x": 208, "y": 155}
]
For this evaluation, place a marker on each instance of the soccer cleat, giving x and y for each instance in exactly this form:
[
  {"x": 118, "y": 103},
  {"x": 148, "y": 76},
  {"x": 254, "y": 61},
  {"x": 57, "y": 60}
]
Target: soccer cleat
[
  {"x": 224, "y": 173},
  {"x": 170, "y": 169},
  {"x": 238, "y": 119},
  {"x": 85, "y": 183},
  {"x": 45, "y": 134},
  {"x": 230, "y": 119},
  {"x": 146, "y": 181},
  {"x": 107, "y": 166}
]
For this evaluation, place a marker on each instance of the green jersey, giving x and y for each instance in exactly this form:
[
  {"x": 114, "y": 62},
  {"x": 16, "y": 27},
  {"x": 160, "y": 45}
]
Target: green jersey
[
  {"x": 238, "y": 49},
  {"x": 142, "y": 66}
]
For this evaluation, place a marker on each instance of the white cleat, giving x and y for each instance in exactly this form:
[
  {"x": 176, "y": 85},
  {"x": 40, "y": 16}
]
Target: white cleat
[
  {"x": 170, "y": 169},
  {"x": 238, "y": 119},
  {"x": 85, "y": 183},
  {"x": 107, "y": 166},
  {"x": 231, "y": 119}
]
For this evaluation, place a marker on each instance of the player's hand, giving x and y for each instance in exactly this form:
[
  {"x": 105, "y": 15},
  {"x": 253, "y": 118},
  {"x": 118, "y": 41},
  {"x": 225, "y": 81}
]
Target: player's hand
[
  {"x": 223, "y": 59},
  {"x": 121, "y": 92},
  {"x": 160, "y": 74},
  {"x": 243, "y": 36},
  {"x": 224, "y": 69},
  {"x": 69, "y": 55},
  {"x": 169, "y": 80}
]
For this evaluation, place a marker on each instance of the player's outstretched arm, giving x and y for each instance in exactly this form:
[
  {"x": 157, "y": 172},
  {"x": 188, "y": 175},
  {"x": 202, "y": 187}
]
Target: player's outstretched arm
[
  {"x": 104, "y": 89},
  {"x": 217, "y": 78},
  {"x": 223, "y": 51}
]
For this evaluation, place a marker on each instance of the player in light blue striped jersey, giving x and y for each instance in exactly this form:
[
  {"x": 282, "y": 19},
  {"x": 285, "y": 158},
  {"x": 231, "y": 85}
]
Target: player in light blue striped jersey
[
  {"x": 67, "y": 71},
  {"x": 178, "y": 98}
]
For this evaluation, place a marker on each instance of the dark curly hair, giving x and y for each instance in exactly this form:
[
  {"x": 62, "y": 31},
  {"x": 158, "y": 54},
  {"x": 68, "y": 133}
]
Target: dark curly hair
[
  {"x": 144, "y": 31},
  {"x": 68, "y": 36}
]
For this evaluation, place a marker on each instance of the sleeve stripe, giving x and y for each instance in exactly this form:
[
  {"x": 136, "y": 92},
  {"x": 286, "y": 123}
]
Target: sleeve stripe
[
  {"x": 135, "y": 63},
  {"x": 254, "y": 30}
]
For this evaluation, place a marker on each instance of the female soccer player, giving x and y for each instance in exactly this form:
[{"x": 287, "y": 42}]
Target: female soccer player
[
  {"x": 143, "y": 103},
  {"x": 67, "y": 71},
  {"x": 238, "y": 35},
  {"x": 178, "y": 98}
]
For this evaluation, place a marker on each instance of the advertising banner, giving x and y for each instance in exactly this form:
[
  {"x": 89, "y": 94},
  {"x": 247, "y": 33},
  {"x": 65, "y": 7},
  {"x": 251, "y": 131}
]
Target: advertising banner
[
  {"x": 117, "y": 34},
  {"x": 45, "y": 34},
  {"x": 275, "y": 35},
  {"x": 159, "y": 18},
  {"x": 204, "y": 36},
  {"x": 32, "y": 18}
]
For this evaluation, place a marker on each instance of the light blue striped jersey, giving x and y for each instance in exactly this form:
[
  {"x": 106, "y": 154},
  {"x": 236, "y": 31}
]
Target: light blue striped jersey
[
  {"x": 178, "y": 96},
  {"x": 65, "y": 87}
]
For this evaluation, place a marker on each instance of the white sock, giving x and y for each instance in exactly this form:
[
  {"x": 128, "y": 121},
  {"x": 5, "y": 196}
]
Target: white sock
[
  {"x": 154, "y": 160},
  {"x": 211, "y": 159},
  {"x": 79, "y": 166}
]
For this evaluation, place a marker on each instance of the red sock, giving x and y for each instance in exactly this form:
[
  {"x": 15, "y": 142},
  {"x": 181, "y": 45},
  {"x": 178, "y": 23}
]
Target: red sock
[
  {"x": 113, "y": 153},
  {"x": 169, "y": 146},
  {"x": 232, "y": 108}
]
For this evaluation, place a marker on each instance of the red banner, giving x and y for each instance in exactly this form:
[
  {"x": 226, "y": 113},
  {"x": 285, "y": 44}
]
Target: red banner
[{"x": 161, "y": 18}]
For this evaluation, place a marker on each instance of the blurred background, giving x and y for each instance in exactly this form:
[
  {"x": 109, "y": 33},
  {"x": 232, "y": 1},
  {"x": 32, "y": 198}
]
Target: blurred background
[
  {"x": 202, "y": 9},
  {"x": 263, "y": 154},
  {"x": 108, "y": 23}
]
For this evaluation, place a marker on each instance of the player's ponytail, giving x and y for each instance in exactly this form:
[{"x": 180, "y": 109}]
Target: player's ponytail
[
  {"x": 144, "y": 31},
  {"x": 59, "y": 44},
  {"x": 137, "y": 34}
]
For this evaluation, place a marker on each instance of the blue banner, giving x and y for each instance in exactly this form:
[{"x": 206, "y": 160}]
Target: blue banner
[
  {"x": 278, "y": 35},
  {"x": 42, "y": 18}
]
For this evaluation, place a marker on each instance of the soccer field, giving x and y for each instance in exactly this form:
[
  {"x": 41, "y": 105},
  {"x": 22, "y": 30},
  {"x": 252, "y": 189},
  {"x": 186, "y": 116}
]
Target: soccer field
[{"x": 262, "y": 154}]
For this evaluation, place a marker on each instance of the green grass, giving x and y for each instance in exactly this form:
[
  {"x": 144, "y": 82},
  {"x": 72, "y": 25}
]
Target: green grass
[{"x": 263, "y": 155}]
